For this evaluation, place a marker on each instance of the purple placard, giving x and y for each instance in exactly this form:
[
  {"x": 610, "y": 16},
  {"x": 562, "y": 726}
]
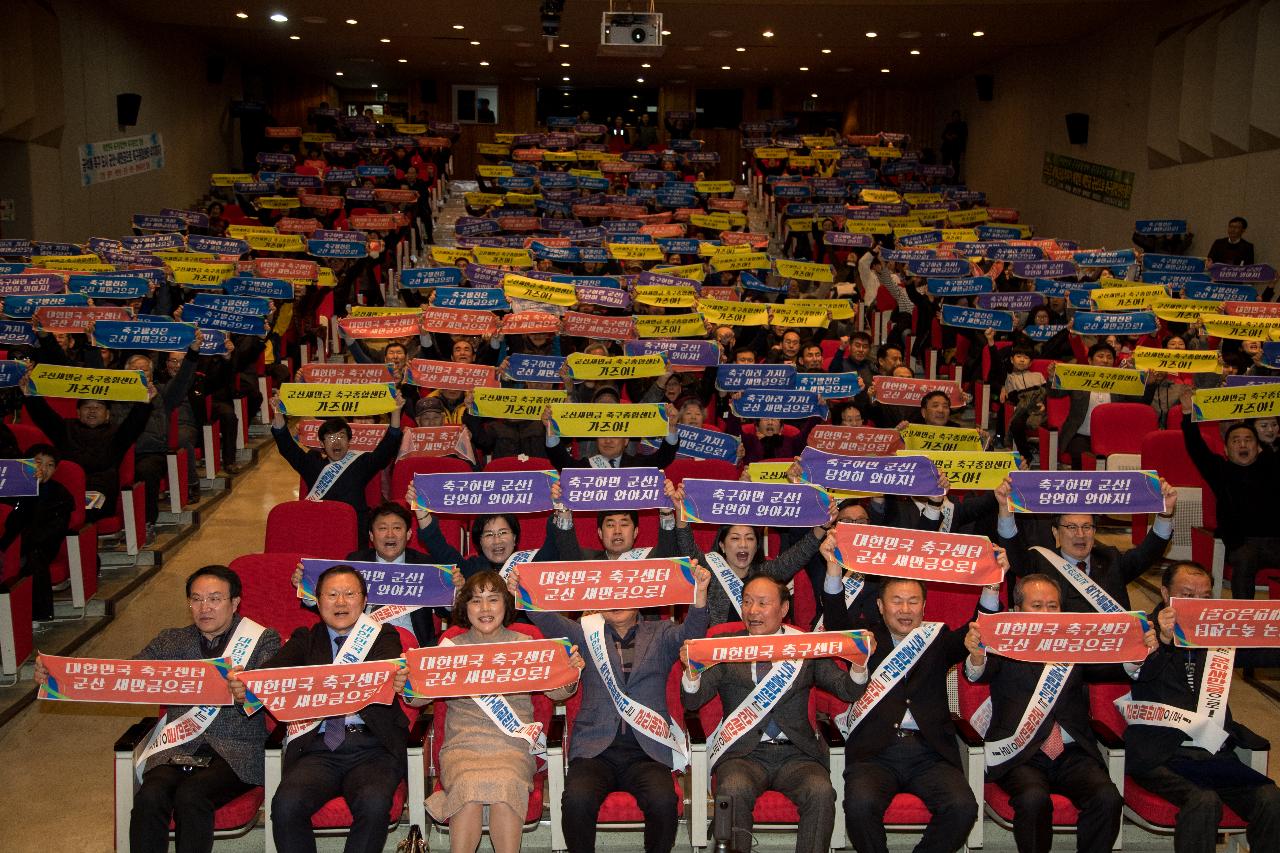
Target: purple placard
[
  {"x": 887, "y": 475},
  {"x": 1043, "y": 269},
  {"x": 608, "y": 297},
  {"x": 31, "y": 284},
  {"x": 1015, "y": 254},
  {"x": 409, "y": 584},
  {"x": 480, "y": 494},
  {"x": 844, "y": 239},
  {"x": 1237, "y": 381},
  {"x": 1018, "y": 301},
  {"x": 771, "y": 504},
  {"x": 590, "y": 489},
  {"x": 959, "y": 286},
  {"x": 679, "y": 353},
  {"x": 17, "y": 333},
  {"x": 1174, "y": 263},
  {"x": 1252, "y": 274},
  {"x": 18, "y": 478},
  {"x": 939, "y": 267},
  {"x": 1085, "y": 492}
]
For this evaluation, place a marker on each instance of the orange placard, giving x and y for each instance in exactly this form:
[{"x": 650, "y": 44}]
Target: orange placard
[
  {"x": 330, "y": 690},
  {"x": 530, "y": 322},
  {"x": 448, "y": 440},
  {"x": 605, "y": 584},
  {"x": 456, "y": 376},
  {"x": 68, "y": 319},
  {"x": 855, "y": 441},
  {"x": 390, "y": 326},
  {"x": 529, "y": 666},
  {"x": 850, "y": 645},
  {"x": 1239, "y": 624},
  {"x": 917, "y": 554},
  {"x": 458, "y": 321},
  {"x": 1065, "y": 637},
  {"x": 344, "y": 374},
  {"x": 134, "y": 682},
  {"x": 898, "y": 391}
]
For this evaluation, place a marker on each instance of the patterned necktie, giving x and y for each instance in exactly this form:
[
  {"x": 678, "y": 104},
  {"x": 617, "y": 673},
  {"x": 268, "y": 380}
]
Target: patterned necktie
[
  {"x": 335, "y": 728},
  {"x": 761, "y": 670},
  {"x": 1053, "y": 745},
  {"x": 1083, "y": 567}
]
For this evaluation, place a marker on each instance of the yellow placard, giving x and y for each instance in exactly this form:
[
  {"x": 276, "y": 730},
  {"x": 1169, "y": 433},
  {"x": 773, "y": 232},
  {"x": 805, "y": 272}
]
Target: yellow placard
[
  {"x": 1183, "y": 310},
  {"x": 713, "y": 186},
  {"x": 883, "y": 151},
  {"x": 586, "y": 367},
  {"x": 505, "y": 138},
  {"x": 411, "y": 129},
  {"x": 478, "y": 199},
  {"x": 1242, "y": 328},
  {"x": 324, "y": 278},
  {"x": 707, "y": 249},
  {"x": 523, "y": 199},
  {"x": 903, "y": 223},
  {"x": 277, "y": 243},
  {"x": 449, "y": 255},
  {"x": 1088, "y": 377},
  {"x": 537, "y": 290},
  {"x": 1229, "y": 404},
  {"x": 968, "y": 217},
  {"x": 818, "y": 141},
  {"x": 925, "y": 437},
  {"x": 489, "y": 171},
  {"x": 768, "y": 472},
  {"x": 868, "y": 226},
  {"x": 802, "y": 161},
  {"x": 694, "y": 271},
  {"x": 664, "y": 296},
  {"x": 959, "y": 235},
  {"x": 968, "y": 469},
  {"x": 380, "y": 311},
  {"x": 712, "y": 221},
  {"x": 318, "y": 138},
  {"x": 839, "y": 309},
  {"x": 1127, "y": 298},
  {"x": 804, "y": 270},
  {"x": 278, "y": 202},
  {"x": 563, "y": 157},
  {"x": 921, "y": 198},
  {"x": 800, "y": 224},
  {"x": 503, "y": 257},
  {"x": 670, "y": 326},
  {"x": 123, "y": 386},
  {"x": 724, "y": 313},
  {"x": 321, "y": 400},
  {"x": 200, "y": 273},
  {"x": 609, "y": 420},
  {"x": 492, "y": 150},
  {"x": 635, "y": 251},
  {"x": 72, "y": 263},
  {"x": 1177, "y": 360},
  {"x": 798, "y": 316},
  {"x": 734, "y": 261},
  {"x": 827, "y": 154},
  {"x": 241, "y": 232},
  {"x": 516, "y": 404},
  {"x": 226, "y": 179},
  {"x": 42, "y": 260},
  {"x": 771, "y": 153},
  {"x": 880, "y": 196}
]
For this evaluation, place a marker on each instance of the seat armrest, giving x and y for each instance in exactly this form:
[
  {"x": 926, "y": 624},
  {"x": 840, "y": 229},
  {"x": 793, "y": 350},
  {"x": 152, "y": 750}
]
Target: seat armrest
[
  {"x": 420, "y": 729},
  {"x": 966, "y": 732},
  {"x": 1106, "y": 736},
  {"x": 135, "y": 734},
  {"x": 831, "y": 732},
  {"x": 693, "y": 725},
  {"x": 555, "y": 733}
]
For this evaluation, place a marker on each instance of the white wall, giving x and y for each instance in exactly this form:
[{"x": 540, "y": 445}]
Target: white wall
[{"x": 1142, "y": 116}]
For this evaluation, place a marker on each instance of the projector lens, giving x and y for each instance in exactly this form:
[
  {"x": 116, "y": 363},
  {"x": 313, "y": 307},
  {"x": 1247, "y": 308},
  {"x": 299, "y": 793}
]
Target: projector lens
[{"x": 638, "y": 34}]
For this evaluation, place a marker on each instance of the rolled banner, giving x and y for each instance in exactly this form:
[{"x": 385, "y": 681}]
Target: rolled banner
[
  {"x": 771, "y": 504},
  {"x": 1242, "y": 328},
  {"x": 927, "y": 437},
  {"x": 923, "y": 555},
  {"x": 403, "y": 584},
  {"x": 605, "y": 584},
  {"x": 18, "y": 478},
  {"x": 529, "y": 666},
  {"x": 294, "y": 693},
  {"x": 426, "y": 373},
  {"x": 1085, "y": 492},
  {"x": 131, "y": 334},
  {"x": 345, "y": 374},
  {"x": 1065, "y": 637},
  {"x": 484, "y": 493},
  {"x": 785, "y": 405},
  {"x": 616, "y": 368},
  {"x": 516, "y": 404},
  {"x": 960, "y": 317},
  {"x": 1176, "y": 360},
  {"x": 678, "y": 353},
  {"x": 1236, "y": 624},
  {"x": 121, "y": 386},
  {"x": 750, "y": 377},
  {"x": 1126, "y": 323},
  {"x": 134, "y": 682},
  {"x": 849, "y": 645},
  {"x": 314, "y": 400},
  {"x": 896, "y": 391},
  {"x": 591, "y": 489},
  {"x": 1234, "y": 403},
  {"x": 1088, "y": 377},
  {"x": 535, "y": 368},
  {"x": 888, "y": 475},
  {"x": 830, "y": 386},
  {"x": 609, "y": 420},
  {"x": 854, "y": 441},
  {"x": 966, "y": 469}
]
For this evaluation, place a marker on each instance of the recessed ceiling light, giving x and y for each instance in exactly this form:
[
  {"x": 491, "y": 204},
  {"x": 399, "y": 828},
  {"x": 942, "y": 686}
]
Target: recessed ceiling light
[
  {"x": 978, "y": 34},
  {"x": 724, "y": 68},
  {"x": 884, "y": 70},
  {"x": 459, "y": 27},
  {"x": 513, "y": 28},
  {"x": 475, "y": 44},
  {"x": 484, "y": 62},
  {"x": 666, "y": 32},
  {"x": 373, "y": 85},
  {"x": 564, "y": 65},
  {"x": 564, "y": 45},
  {"x": 337, "y": 73},
  {"x": 566, "y": 94},
  {"x": 804, "y": 68},
  {"x": 295, "y": 38},
  {"x": 280, "y": 18},
  {"x": 639, "y": 79},
  {"x": 915, "y": 53},
  {"x": 565, "y": 79},
  {"x": 635, "y": 97},
  {"x": 242, "y": 15},
  {"x": 645, "y": 65},
  {"x": 872, "y": 35},
  {"x": 352, "y": 21},
  {"x": 402, "y": 60},
  {"x": 826, "y": 50},
  {"x": 719, "y": 34},
  {"x": 741, "y": 50},
  {"x": 813, "y": 94},
  {"x": 385, "y": 41},
  {"x": 767, "y": 34}
]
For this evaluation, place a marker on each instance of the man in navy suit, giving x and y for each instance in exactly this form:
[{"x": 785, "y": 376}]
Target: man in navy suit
[{"x": 607, "y": 754}]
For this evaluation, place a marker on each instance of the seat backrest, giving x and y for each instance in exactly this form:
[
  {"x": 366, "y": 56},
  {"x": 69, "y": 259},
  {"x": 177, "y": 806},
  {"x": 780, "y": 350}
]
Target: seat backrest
[
  {"x": 12, "y": 556},
  {"x": 1102, "y": 705},
  {"x": 701, "y": 469},
  {"x": 1056, "y": 411},
  {"x": 316, "y": 528},
  {"x": 28, "y": 435},
  {"x": 1165, "y": 452},
  {"x": 515, "y": 463},
  {"x": 267, "y": 596},
  {"x": 1041, "y": 366},
  {"x": 970, "y": 695},
  {"x": 804, "y": 604},
  {"x": 1119, "y": 427},
  {"x": 953, "y": 604},
  {"x": 404, "y": 469}
]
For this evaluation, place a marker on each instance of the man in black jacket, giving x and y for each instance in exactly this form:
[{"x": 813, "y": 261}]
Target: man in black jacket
[
  {"x": 361, "y": 758},
  {"x": 612, "y": 452},
  {"x": 1061, "y": 755},
  {"x": 389, "y": 526},
  {"x": 1198, "y": 772},
  {"x": 41, "y": 520},
  {"x": 337, "y": 473}
]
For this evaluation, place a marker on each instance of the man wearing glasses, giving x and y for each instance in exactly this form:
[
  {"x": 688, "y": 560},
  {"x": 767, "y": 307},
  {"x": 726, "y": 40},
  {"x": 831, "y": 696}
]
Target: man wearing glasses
[
  {"x": 1094, "y": 577},
  {"x": 210, "y": 760}
]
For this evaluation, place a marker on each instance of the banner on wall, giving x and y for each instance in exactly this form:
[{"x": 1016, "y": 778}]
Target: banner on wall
[
  {"x": 120, "y": 158},
  {"x": 1093, "y": 181}
]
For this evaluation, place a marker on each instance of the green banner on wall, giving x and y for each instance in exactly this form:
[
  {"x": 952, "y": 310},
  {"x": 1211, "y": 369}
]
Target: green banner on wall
[{"x": 1088, "y": 180}]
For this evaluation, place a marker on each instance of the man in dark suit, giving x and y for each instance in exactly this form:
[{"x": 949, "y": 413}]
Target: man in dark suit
[
  {"x": 1061, "y": 756},
  {"x": 607, "y": 754},
  {"x": 342, "y": 473},
  {"x": 1233, "y": 249},
  {"x": 361, "y": 757},
  {"x": 612, "y": 452},
  {"x": 188, "y": 781},
  {"x": 1073, "y": 435},
  {"x": 905, "y": 740},
  {"x": 1170, "y": 762},
  {"x": 781, "y": 752},
  {"x": 1073, "y": 535},
  {"x": 389, "y": 526}
]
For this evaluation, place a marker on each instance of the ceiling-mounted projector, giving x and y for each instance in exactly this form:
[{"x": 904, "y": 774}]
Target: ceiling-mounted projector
[{"x": 631, "y": 34}]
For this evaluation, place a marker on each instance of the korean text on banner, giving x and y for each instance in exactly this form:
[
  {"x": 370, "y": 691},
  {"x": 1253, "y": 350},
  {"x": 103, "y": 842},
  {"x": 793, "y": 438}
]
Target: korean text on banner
[
  {"x": 530, "y": 666},
  {"x": 920, "y": 554},
  {"x": 605, "y": 584},
  {"x": 1065, "y": 637}
]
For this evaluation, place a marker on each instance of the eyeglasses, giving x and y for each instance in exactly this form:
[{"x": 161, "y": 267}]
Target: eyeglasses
[
  {"x": 344, "y": 594},
  {"x": 215, "y": 599},
  {"x": 1079, "y": 528},
  {"x": 495, "y": 534},
  {"x": 334, "y": 436}
]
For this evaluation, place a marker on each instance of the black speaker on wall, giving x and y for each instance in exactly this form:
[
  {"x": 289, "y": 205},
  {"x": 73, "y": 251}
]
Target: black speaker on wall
[
  {"x": 986, "y": 85},
  {"x": 127, "y": 106},
  {"x": 427, "y": 91},
  {"x": 1078, "y": 128},
  {"x": 214, "y": 69}
]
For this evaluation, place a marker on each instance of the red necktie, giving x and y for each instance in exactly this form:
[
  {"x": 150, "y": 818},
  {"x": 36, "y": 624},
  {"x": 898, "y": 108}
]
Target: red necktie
[{"x": 1053, "y": 745}]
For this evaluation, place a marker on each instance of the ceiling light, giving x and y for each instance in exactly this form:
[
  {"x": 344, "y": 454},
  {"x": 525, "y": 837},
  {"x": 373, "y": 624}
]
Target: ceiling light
[
  {"x": 373, "y": 85},
  {"x": 475, "y": 44},
  {"x": 666, "y": 32},
  {"x": 564, "y": 65},
  {"x": 724, "y": 68},
  {"x": 337, "y": 73},
  {"x": 402, "y": 60},
  {"x": 813, "y": 94},
  {"x": 639, "y": 79},
  {"x": 645, "y": 65},
  {"x": 767, "y": 34},
  {"x": 566, "y": 94},
  {"x": 635, "y": 97},
  {"x": 826, "y": 50},
  {"x": 741, "y": 50},
  {"x": 242, "y": 15},
  {"x": 884, "y": 70},
  {"x": 280, "y": 18},
  {"x": 459, "y": 27},
  {"x": 385, "y": 41},
  {"x": 915, "y": 53},
  {"x": 872, "y": 35},
  {"x": 564, "y": 45},
  {"x": 565, "y": 79},
  {"x": 352, "y": 21},
  {"x": 978, "y": 34},
  {"x": 484, "y": 62},
  {"x": 295, "y": 38},
  {"x": 804, "y": 68}
]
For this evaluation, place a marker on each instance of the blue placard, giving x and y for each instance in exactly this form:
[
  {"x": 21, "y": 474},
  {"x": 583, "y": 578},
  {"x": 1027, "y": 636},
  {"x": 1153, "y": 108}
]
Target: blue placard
[
  {"x": 337, "y": 248},
  {"x": 924, "y": 238},
  {"x": 976, "y": 318},
  {"x": 959, "y": 286},
  {"x": 1044, "y": 269},
  {"x": 1015, "y": 254},
  {"x": 1015, "y": 301},
  {"x": 751, "y": 281},
  {"x": 24, "y": 307},
  {"x": 44, "y": 247},
  {"x": 699, "y": 443},
  {"x": 210, "y": 318},
  {"x": 1174, "y": 263},
  {"x": 1118, "y": 258},
  {"x": 1271, "y": 353},
  {"x": 16, "y": 333},
  {"x": 784, "y": 405},
  {"x": 158, "y": 222},
  {"x": 217, "y": 245},
  {"x": 374, "y": 171},
  {"x": 1040, "y": 334},
  {"x": 830, "y": 386},
  {"x": 167, "y": 336},
  {"x": 11, "y": 372},
  {"x": 1218, "y": 291},
  {"x": 18, "y": 478},
  {"x": 1173, "y": 279},
  {"x": 15, "y": 248},
  {"x": 254, "y": 306},
  {"x": 475, "y": 298},
  {"x": 213, "y": 342},
  {"x": 340, "y": 176},
  {"x": 109, "y": 286},
  {"x": 1125, "y": 323},
  {"x": 12, "y": 269},
  {"x": 524, "y": 367},
  {"x": 1063, "y": 289},
  {"x": 998, "y": 232},
  {"x": 270, "y": 288},
  {"x": 1160, "y": 226},
  {"x": 1080, "y": 300},
  {"x": 414, "y": 279},
  {"x": 741, "y": 377}
]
